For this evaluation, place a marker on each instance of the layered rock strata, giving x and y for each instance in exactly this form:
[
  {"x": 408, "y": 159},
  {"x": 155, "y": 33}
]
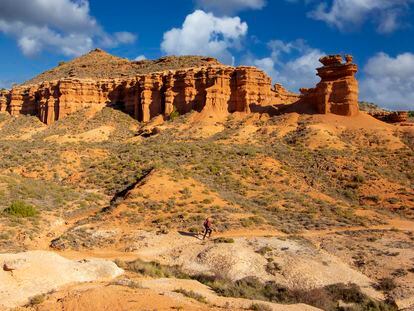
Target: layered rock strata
[
  {"x": 337, "y": 92},
  {"x": 214, "y": 87},
  {"x": 391, "y": 116},
  {"x": 146, "y": 96},
  {"x": 283, "y": 96},
  {"x": 4, "y": 100}
]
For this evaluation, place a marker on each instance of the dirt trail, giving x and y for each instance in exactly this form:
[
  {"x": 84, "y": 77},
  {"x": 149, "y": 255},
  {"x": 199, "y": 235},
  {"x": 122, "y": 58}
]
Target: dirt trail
[
  {"x": 395, "y": 223},
  {"x": 155, "y": 242},
  {"x": 111, "y": 254}
]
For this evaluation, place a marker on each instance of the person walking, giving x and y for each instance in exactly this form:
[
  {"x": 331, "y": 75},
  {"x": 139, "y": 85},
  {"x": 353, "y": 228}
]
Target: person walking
[{"x": 208, "y": 229}]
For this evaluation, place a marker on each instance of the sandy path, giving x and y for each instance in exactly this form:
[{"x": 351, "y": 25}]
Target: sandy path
[
  {"x": 398, "y": 224},
  {"x": 111, "y": 254}
]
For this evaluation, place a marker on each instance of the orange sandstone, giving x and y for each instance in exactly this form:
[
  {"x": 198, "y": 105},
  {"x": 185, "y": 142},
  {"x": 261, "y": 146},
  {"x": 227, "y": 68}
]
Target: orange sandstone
[
  {"x": 337, "y": 92},
  {"x": 220, "y": 88},
  {"x": 209, "y": 86}
]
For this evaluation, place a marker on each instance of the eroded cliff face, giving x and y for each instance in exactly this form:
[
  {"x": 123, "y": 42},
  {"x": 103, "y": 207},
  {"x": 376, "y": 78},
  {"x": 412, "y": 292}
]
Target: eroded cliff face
[
  {"x": 217, "y": 88},
  {"x": 391, "y": 116},
  {"x": 4, "y": 100},
  {"x": 337, "y": 92}
]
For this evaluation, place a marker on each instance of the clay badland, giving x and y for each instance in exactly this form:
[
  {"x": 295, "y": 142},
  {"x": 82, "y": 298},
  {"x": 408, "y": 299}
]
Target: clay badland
[{"x": 109, "y": 167}]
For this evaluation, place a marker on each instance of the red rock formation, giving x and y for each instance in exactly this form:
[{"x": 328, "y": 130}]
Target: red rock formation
[
  {"x": 220, "y": 88},
  {"x": 4, "y": 99},
  {"x": 391, "y": 116},
  {"x": 283, "y": 96},
  {"x": 215, "y": 87},
  {"x": 337, "y": 92}
]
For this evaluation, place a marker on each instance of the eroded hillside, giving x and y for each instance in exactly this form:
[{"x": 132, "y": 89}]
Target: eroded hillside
[{"x": 100, "y": 182}]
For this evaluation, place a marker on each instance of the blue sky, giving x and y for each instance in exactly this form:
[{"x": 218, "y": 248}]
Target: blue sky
[{"x": 283, "y": 37}]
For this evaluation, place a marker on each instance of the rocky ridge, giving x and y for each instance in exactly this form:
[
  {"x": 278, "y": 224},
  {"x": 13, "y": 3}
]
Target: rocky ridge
[
  {"x": 147, "y": 89},
  {"x": 98, "y": 64}
]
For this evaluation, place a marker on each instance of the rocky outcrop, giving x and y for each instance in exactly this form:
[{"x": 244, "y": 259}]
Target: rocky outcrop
[
  {"x": 391, "y": 116},
  {"x": 4, "y": 100},
  {"x": 337, "y": 92},
  {"x": 283, "y": 96},
  {"x": 220, "y": 88},
  {"x": 26, "y": 275},
  {"x": 208, "y": 87}
]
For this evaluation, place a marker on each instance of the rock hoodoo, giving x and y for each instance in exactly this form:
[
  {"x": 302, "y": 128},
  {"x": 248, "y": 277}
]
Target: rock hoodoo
[
  {"x": 4, "y": 99},
  {"x": 149, "y": 88},
  {"x": 337, "y": 92}
]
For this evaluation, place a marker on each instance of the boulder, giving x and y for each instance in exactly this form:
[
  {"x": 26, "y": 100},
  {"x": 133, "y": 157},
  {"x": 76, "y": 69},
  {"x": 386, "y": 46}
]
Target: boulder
[{"x": 29, "y": 274}]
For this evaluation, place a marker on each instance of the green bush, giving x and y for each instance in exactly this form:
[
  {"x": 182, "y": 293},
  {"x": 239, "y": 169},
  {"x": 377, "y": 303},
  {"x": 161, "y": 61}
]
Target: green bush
[
  {"x": 21, "y": 209},
  {"x": 174, "y": 114}
]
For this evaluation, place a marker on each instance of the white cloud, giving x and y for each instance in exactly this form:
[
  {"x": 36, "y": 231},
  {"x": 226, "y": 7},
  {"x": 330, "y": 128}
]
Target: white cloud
[
  {"x": 292, "y": 64},
  {"x": 347, "y": 15},
  {"x": 140, "y": 57},
  {"x": 124, "y": 37},
  {"x": 205, "y": 34},
  {"x": 63, "y": 26},
  {"x": 229, "y": 7},
  {"x": 389, "y": 81},
  {"x": 267, "y": 64}
]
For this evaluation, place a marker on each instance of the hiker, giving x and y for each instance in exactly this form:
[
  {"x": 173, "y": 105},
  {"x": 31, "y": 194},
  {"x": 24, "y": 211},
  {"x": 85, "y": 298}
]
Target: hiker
[{"x": 207, "y": 228}]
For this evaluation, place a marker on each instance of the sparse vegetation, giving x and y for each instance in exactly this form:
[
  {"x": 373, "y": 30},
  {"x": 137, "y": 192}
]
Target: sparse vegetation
[
  {"x": 103, "y": 180},
  {"x": 99, "y": 64},
  {"x": 270, "y": 182},
  {"x": 191, "y": 294},
  {"x": 326, "y": 298},
  {"x": 232, "y": 170},
  {"x": 37, "y": 300},
  {"x": 386, "y": 284},
  {"x": 21, "y": 209},
  {"x": 152, "y": 269}
]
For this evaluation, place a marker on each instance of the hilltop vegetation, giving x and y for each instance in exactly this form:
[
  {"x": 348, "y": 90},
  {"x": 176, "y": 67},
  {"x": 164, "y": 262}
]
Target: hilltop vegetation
[{"x": 99, "y": 64}]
